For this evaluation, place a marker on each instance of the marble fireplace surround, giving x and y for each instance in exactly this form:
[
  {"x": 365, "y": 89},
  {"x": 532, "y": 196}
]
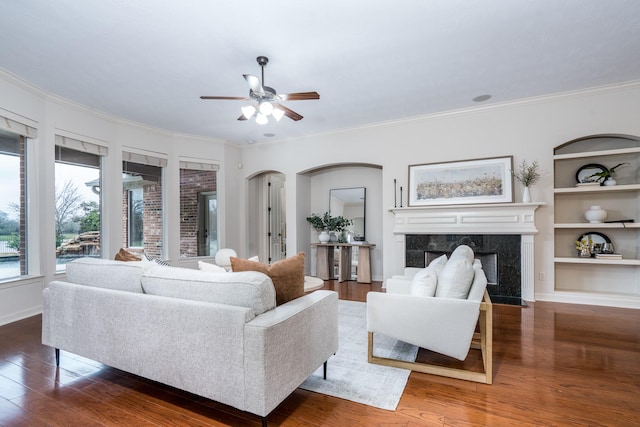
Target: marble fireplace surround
[{"x": 472, "y": 219}]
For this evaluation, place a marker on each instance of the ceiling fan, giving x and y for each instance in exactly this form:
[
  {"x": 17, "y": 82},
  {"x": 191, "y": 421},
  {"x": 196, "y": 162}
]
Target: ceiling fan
[{"x": 264, "y": 99}]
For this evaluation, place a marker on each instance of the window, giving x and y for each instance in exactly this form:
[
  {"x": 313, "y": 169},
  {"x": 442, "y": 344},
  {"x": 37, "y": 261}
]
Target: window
[
  {"x": 13, "y": 257},
  {"x": 78, "y": 201},
  {"x": 198, "y": 209},
  {"x": 142, "y": 198}
]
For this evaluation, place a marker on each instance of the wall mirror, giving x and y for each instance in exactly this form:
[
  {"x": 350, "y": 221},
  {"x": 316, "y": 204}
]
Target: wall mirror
[{"x": 351, "y": 204}]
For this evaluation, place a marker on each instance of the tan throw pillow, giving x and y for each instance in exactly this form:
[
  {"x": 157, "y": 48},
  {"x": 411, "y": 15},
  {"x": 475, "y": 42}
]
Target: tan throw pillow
[
  {"x": 287, "y": 275},
  {"x": 124, "y": 255}
]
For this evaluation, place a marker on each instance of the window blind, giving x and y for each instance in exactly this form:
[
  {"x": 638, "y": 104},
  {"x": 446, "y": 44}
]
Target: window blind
[
  {"x": 17, "y": 127},
  {"x": 195, "y": 164},
  {"x": 144, "y": 159},
  {"x": 84, "y": 146}
]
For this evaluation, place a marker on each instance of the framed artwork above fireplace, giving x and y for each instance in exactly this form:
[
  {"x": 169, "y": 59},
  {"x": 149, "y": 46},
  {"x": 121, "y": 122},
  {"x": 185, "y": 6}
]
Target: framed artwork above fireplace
[{"x": 475, "y": 181}]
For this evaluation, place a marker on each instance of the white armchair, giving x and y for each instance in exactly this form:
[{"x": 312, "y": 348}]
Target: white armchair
[{"x": 439, "y": 323}]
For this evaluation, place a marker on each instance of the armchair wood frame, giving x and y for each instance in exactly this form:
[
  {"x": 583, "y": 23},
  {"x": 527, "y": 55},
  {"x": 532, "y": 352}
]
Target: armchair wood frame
[{"x": 482, "y": 340}]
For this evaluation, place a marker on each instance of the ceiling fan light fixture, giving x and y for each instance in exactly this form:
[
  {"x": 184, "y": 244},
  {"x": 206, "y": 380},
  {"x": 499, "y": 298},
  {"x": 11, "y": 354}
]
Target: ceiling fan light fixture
[
  {"x": 266, "y": 108},
  {"x": 277, "y": 114},
  {"x": 261, "y": 119},
  {"x": 248, "y": 111}
]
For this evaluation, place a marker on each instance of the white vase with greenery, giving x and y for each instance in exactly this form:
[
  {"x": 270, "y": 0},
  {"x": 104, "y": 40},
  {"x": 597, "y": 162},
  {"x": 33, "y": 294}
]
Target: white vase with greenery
[{"x": 527, "y": 175}]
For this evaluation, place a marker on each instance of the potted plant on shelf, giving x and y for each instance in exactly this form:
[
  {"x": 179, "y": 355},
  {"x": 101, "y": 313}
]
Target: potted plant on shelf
[
  {"x": 527, "y": 175},
  {"x": 584, "y": 247},
  {"x": 321, "y": 224},
  {"x": 328, "y": 225},
  {"x": 606, "y": 176},
  {"x": 338, "y": 224}
]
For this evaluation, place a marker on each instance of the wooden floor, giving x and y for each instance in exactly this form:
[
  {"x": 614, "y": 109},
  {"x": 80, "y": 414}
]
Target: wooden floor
[{"x": 554, "y": 364}]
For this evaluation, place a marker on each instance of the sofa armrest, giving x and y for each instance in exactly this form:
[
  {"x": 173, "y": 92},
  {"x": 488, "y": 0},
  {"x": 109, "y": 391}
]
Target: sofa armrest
[
  {"x": 287, "y": 344},
  {"x": 443, "y": 325}
]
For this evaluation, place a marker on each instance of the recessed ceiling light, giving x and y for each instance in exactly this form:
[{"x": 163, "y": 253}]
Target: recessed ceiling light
[
  {"x": 269, "y": 135},
  {"x": 251, "y": 141},
  {"x": 481, "y": 98}
]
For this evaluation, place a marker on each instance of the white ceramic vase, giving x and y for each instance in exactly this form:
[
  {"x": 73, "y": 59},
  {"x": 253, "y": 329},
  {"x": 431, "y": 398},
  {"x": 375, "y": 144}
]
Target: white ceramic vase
[
  {"x": 323, "y": 237},
  {"x": 610, "y": 181},
  {"x": 595, "y": 214},
  {"x": 526, "y": 195}
]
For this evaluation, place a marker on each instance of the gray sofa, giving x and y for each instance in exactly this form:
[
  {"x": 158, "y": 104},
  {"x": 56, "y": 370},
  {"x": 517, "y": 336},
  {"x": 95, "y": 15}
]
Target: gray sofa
[{"x": 215, "y": 335}]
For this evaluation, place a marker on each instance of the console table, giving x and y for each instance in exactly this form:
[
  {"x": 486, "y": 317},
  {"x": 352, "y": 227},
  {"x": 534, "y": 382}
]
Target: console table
[{"x": 325, "y": 261}]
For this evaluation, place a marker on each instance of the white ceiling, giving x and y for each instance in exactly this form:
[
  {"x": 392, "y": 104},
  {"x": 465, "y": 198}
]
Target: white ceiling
[{"x": 371, "y": 61}]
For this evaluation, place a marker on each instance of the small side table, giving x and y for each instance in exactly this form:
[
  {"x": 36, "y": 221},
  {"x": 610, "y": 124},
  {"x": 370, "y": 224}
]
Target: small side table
[{"x": 312, "y": 283}]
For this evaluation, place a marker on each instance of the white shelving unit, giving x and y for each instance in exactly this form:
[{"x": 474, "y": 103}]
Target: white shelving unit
[{"x": 613, "y": 282}]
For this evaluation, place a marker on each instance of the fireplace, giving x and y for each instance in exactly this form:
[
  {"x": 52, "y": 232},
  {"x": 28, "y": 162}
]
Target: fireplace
[
  {"x": 500, "y": 231},
  {"x": 499, "y": 254}
]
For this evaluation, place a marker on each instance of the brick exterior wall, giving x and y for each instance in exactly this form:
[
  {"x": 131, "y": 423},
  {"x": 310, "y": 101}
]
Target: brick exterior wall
[
  {"x": 192, "y": 183},
  {"x": 151, "y": 219}
]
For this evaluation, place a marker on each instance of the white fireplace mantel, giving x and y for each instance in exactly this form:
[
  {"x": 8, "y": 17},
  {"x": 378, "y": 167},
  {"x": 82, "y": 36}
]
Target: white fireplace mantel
[{"x": 495, "y": 218}]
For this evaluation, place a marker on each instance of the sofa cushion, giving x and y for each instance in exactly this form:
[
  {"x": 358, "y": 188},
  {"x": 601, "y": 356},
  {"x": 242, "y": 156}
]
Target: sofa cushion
[
  {"x": 212, "y": 268},
  {"x": 455, "y": 278},
  {"x": 250, "y": 289},
  {"x": 104, "y": 273},
  {"x": 287, "y": 275},
  {"x": 425, "y": 281}
]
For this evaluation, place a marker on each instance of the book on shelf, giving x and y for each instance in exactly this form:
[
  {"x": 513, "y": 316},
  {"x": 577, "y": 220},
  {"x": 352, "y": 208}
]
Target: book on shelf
[
  {"x": 588, "y": 184},
  {"x": 608, "y": 256}
]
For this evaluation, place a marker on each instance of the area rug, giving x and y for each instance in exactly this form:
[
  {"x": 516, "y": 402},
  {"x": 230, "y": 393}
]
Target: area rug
[{"x": 350, "y": 376}]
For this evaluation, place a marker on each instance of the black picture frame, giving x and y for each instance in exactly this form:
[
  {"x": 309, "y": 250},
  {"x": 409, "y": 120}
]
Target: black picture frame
[{"x": 587, "y": 170}]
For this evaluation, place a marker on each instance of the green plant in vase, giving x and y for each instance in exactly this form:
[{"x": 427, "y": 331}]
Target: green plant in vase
[
  {"x": 606, "y": 177},
  {"x": 527, "y": 175}
]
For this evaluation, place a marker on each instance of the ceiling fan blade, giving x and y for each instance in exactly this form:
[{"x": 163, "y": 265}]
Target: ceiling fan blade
[
  {"x": 299, "y": 96},
  {"x": 254, "y": 84},
  {"x": 242, "y": 117},
  {"x": 290, "y": 113},
  {"x": 235, "y": 98}
]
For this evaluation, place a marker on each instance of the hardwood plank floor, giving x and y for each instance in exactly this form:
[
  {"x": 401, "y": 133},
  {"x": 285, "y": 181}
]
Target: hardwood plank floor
[{"x": 554, "y": 365}]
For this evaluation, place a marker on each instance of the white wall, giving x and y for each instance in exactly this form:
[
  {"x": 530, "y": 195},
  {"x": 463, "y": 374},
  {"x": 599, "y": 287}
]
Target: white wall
[
  {"x": 528, "y": 129},
  {"x": 51, "y": 115}
]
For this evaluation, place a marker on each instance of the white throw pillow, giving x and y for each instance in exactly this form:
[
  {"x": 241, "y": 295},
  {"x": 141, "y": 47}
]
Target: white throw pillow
[
  {"x": 438, "y": 264},
  {"x": 254, "y": 258},
  {"x": 425, "y": 281},
  {"x": 207, "y": 266},
  {"x": 454, "y": 281},
  {"x": 424, "y": 284}
]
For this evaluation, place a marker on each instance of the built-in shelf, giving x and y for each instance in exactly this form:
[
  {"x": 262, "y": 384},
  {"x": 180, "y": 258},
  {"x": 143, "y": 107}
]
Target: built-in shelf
[
  {"x": 590, "y": 226},
  {"x": 597, "y": 189},
  {"x": 599, "y": 153},
  {"x": 577, "y": 260},
  {"x": 592, "y": 280}
]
